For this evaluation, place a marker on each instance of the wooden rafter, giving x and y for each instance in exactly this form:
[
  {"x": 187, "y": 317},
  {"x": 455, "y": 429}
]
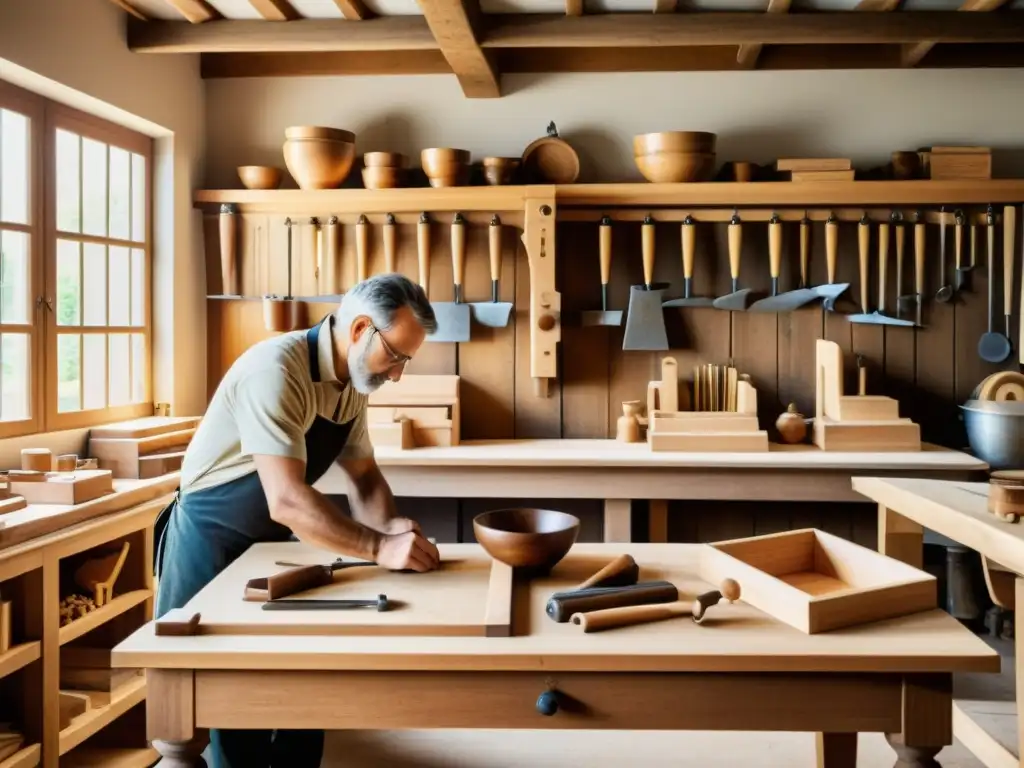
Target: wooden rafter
[
  {"x": 453, "y": 24},
  {"x": 275, "y": 10},
  {"x": 131, "y": 9},
  {"x": 573, "y": 7},
  {"x": 746, "y": 56},
  {"x": 913, "y": 53},
  {"x": 353, "y": 10},
  {"x": 195, "y": 11},
  {"x": 882, "y": 6},
  {"x": 665, "y": 6}
]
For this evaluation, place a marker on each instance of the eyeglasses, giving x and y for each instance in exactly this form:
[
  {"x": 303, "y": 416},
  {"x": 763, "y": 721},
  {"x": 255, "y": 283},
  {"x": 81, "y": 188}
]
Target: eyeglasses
[{"x": 396, "y": 357}]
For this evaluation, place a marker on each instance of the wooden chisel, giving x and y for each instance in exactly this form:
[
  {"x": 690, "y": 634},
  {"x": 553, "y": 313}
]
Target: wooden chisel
[
  {"x": 625, "y": 616},
  {"x": 296, "y": 579},
  {"x": 620, "y": 572},
  {"x": 298, "y": 604},
  {"x": 562, "y": 605}
]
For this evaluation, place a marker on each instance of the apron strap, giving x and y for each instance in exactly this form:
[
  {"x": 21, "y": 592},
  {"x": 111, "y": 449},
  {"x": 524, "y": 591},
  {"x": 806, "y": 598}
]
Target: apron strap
[{"x": 312, "y": 342}]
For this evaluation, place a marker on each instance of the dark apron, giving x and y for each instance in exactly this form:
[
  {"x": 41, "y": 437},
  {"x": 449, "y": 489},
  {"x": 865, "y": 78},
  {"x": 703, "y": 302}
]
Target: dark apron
[{"x": 201, "y": 532}]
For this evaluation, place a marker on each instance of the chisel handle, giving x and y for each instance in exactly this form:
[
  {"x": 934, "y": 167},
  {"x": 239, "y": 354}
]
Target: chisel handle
[
  {"x": 1009, "y": 230},
  {"x": 958, "y": 238},
  {"x": 900, "y": 243},
  {"x": 647, "y": 243},
  {"x": 689, "y": 244},
  {"x": 611, "y": 618},
  {"x": 389, "y": 244},
  {"x": 605, "y": 249},
  {"x": 620, "y": 572},
  {"x": 831, "y": 247},
  {"x": 362, "y": 248},
  {"x": 775, "y": 246},
  {"x": 805, "y": 251},
  {"x": 919, "y": 246},
  {"x": 494, "y": 247},
  {"x": 423, "y": 251},
  {"x": 735, "y": 246},
  {"x": 458, "y": 249},
  {"x": 883, "y": 263},
  {"x": 863, "y": 252}
]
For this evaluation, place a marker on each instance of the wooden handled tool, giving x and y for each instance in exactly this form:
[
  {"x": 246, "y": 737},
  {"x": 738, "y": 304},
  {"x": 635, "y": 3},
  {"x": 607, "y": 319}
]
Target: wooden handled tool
[
  {"x": 621, "y": 571},
  {"x": 901, "y": 240},
  {"x": 458, "y": 254},
  {"x": 389, "y": 244},
  {"x": 330, "y": 258},
  {"x": 831, "y": 247},
  {"x": 805, "y": 250},
  {"x": 562, "y": 605},
  {"x": 626, "y": 616},
  {"x": 863, "y": 252},
  {"x": 958, "y": 246},
  {"x": 362, "y": 248},
  {"x": 688, "y": 241},
  {"x": 1009, "y": 230},
  {"x": 1020, "y": 336},
  {"x": 735, "y": 250},
  {"x": 423, "y": 251},
  {"x": 298, "y": 578},
  {"x": 919, "y": 247},
  {"x": 494, "y": 254},
  {"x": 775, "y": 251},
  {"x": 883, "y": 263},
  {"x": 300, "y": 604},
  {"x": 647, "y": 244}
]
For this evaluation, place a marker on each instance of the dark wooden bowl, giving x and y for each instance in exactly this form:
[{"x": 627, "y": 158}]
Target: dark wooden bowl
[{"x": 526, "y": 538}]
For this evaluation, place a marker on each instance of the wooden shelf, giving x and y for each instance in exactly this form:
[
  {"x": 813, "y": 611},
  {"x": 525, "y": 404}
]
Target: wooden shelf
[
  {"x": 28, "y": 757},
  {"x": 87, "y": 757},
  {"x": 703, "y": 194},
  {"x": 103, "y": 614},
  {"x": 19, "y": 656},
  {"x": 96, "y": 717}
]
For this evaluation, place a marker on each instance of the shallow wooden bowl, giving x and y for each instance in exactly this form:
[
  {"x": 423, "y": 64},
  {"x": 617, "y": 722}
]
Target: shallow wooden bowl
[
  {"x": 438, "y": 161},
  {"x": 259, "y": 176},
  {"x": 499, "y": 170},
  {"x": 674, "y": 141},
  {"x": 675, "y": 167},
  {"x": 527, "y": 538},
  {"x": 384, "y": 160},
  {"x": 382, "y": 177}
]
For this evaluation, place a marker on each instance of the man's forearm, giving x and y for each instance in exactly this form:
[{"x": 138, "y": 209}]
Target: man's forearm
[
  {"x": 371, "y": 500},
  {"x": 315, "y": 520}
]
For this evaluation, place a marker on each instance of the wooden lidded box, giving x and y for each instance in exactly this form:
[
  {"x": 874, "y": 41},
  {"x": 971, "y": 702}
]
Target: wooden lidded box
[{"x": 817, "y": 582}]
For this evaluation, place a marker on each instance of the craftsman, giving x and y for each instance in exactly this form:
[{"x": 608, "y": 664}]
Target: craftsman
[{"x": 286, "y": 409}]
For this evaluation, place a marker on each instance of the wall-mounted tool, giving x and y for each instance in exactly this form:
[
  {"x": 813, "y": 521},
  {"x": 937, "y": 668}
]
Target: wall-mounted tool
[
  {"x": 878, "y": 317},
  {"x": 453, "y": 316},
  {"x": 901, "y": 238},
  {"x": 785, "y": 302},
  {"x": 805, "y": 251},
  {"x": 688, "y": 236},
  {"x": 1009, "y": 231},
  {"x": 945, "y": 292},
  {"x": 389, "y": 243},
  {"x": 958, "y": 250},
  {"x": 918, "y": 296},
  {"x": 493, "y": 313},
  {"x": 831, "y": 290},
  {"x": 993, "y": 347},
  {"x": 603, "y": 316},
  {"x": 645, "y": 321},
  {"x": 738, "y": 299},
  {"x": 362, "y": 249}
]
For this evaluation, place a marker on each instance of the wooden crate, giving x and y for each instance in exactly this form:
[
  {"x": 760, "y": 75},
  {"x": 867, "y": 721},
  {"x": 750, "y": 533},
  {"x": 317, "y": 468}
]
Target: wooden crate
[
  {"x": 817, "y": 582},
  {"x": 69, "y": 488}
]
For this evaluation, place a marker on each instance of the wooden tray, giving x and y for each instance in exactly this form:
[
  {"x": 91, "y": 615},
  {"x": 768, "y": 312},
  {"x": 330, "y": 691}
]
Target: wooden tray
[
  {"x": 816, "y": 582},
  {"x": 469, "y": 596}
]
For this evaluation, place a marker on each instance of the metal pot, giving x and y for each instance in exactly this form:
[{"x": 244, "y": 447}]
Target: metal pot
[{"x": 995, "y": 431}]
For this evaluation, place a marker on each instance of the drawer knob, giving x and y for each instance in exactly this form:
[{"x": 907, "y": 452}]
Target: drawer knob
[{"x": 547, "y": 703}]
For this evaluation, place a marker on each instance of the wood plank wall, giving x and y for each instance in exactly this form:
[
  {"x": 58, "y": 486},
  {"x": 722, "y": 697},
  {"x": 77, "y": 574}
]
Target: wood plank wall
[{"x": 930, "y": 370}]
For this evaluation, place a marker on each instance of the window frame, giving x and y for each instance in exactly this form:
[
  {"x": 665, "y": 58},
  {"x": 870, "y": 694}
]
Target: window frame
[{"x": 46, "y": 117}]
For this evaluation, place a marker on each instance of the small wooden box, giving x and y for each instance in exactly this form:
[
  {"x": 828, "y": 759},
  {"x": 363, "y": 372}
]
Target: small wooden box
[
  {"x": 66, "y": 488},
  {"x": 817, "y": 582}
]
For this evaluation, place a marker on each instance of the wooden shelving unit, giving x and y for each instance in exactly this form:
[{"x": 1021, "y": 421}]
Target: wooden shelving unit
[
  {"x": 19, "y": 656},
  {"x": 28, "y": 757},
  {"x": 101, "y": 714},
  {"x": 141, "y": 757},
  {"x": 103, "y": 614}
]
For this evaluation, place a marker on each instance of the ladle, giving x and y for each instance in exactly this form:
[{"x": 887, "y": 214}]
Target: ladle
[{"x": 993, "y": 347}]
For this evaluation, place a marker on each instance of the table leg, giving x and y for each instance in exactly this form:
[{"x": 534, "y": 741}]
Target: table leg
[
  {"x": 836, "y": 750},
  {"x": 657, "y": 521},
  {"x": 618, "y": 520},
  {"x": 899, "y": 537},
  {"x": 1018, "y": 672},
  {"x": 927, "y": 720},
  {"x": 170, "y": 718}
]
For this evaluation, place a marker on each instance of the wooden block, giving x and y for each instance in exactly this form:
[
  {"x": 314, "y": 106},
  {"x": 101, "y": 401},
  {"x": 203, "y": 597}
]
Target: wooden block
[
  {"x": 817, "y": 582},
  {"x": 413, "y": 389},
  {"x": 425, "y": 416},
  {"x": 396, "y": 434},
  {"x": 76, "y": 488},
  {"x": 121, "y": 455},
  {"x": 100, "y": 574},
  {"x": 72, "y": 704},
  {"x": 867, "y": 408},
  {"x": 887, "y": 436},
  {"x": 85, "y": 657},
  {"x": 25, "y": 476},
  {"x": 6, "y": 608},
  {"x": 106, "y": 680},
  {"x": 814, "y": 164},
  {"x": 702, "y": 421},
  {"x": 13, "y": 504},
  {"x": 36, "y": 459},
  {"x": 946, "y": 166},
  {"x": 746, "y": 398},
  {"x": 961, "y": 150},
  {"x": 378, "y": 414},
  {"x": 145, "y": 427},
  {"x": 804, "y": 176},
  {"x": 160, "y": 464},
  {"x": 437, "y": 435},
  {"x": 709, "y": 442}
]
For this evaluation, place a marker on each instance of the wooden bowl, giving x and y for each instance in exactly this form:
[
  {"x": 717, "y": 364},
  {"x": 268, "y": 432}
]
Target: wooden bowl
[
  {"x": 438, "y": 161},
  {"x": 906, "y": 165},
  {"x": 550, "y": 160},
  {"x": 279, "y": 314},
  {"x": 382, "y": 177},
  {"x": 499, "y": 170},
  {"x": 674, "y": 141},
  {"x": 259, "y": 176},
  {"x": 527, "y": 538},
  {"x": 675, "y": 167},
  {"x": 317, "y": 157},
  {"x": 384, "y": 160}
]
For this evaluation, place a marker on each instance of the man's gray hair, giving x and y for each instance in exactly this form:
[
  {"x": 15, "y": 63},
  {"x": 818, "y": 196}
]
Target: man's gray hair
[{"x": 380, "y": 297}]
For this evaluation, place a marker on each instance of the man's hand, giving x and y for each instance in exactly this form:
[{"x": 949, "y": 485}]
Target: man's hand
[
  {"x": 408, "y": 550},
  {"x": 398, "y": 525}
]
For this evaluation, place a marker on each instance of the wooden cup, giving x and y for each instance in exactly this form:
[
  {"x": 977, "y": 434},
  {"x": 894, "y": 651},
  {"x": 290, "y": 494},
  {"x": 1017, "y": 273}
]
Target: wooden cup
[
  {"x": 67, "y": 462},
  {"x": 36, "y": 459}
]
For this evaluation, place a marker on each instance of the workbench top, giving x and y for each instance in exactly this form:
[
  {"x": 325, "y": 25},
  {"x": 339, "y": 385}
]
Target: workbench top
[
  {"x": 736, "y": 638},
  {"x": 612, "y": 453}
]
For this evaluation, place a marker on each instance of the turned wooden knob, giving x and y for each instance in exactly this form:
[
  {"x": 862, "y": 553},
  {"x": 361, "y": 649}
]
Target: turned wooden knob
[{"x": 546, "y": 322}]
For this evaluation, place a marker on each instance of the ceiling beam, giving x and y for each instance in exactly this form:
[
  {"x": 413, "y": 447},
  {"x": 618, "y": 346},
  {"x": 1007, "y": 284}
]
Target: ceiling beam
[
  {"x": 747, "y": 55},
  {"x": 883, "y": 6},
  {"x": 195, "y": 11},
  {"x": 914, "y": 52},
  {"x": 453, "y": 24},
  {"x": 124, "y": 5},
  {"x": 353, "y": 10},
  {"x": 275, "y": 10},
  {"x": 665, "y": 6},
  {"x": 608, "y": 31}
]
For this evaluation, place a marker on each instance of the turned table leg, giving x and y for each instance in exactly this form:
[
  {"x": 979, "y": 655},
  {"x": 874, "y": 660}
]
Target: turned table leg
[
  {"x": 170, "y": 718},
  {"x": 180, "y": 754},
  {"x": 927, "y": 720},
  {"x": 912, "y": 757}
]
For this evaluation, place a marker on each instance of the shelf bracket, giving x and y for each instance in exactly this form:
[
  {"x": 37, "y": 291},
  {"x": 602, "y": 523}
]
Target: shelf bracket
[{"x": 545, "y": 302}]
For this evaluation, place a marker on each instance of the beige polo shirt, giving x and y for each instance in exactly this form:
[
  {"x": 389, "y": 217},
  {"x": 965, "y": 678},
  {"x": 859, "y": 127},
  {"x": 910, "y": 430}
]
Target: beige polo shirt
[{"x": 265, "y": 404}]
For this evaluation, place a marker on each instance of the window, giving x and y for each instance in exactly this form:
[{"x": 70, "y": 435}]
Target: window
[{"x": 75, "y": 320}]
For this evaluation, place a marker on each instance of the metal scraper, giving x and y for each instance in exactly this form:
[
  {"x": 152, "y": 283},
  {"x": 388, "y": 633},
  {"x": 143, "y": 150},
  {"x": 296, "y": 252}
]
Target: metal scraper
[
  {"x": 645, "y": 320},
  {"x": 453, "y": 316},
  {"x": 790, "y": 300},
  {"x": 688, "y": 235},
  {"x": 738, "y": 299},
  {"x": 493, "y": 313},
  {"x": 878, "y": 317},
  {"x": 603, "y": 316}
]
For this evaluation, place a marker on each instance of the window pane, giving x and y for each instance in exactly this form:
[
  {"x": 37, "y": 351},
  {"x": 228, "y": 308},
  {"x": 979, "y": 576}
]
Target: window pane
[
  {"x": 68, "y": 282},
  {"x": 68, "y": 372},
  {"x": 69, "y": 212},
  {"x": 13, "y": 167},
  {"x": 14, "y": 286},
  {"x": 120, "y": 370},
  {"x": 138, "y": 368},
  {"x": 94, "y": 363},
  {"x": 14, "y": 377},
  {"x": 138, "y": 198},
  {"x": 94, "y": 187},
  {"x": 120, "y": 193},
  {"x": 120, "y": 285},
  {"x": 94, "y": 284},
  {"x": 138, "y": 287}
]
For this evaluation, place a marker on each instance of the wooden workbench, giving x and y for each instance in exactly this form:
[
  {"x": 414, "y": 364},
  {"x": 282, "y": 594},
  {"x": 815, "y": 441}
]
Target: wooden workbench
[
  {"x": 958, "y": 510},
  {"x": 618, "y": 472},
  {"x": 673, "y": 675}
]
